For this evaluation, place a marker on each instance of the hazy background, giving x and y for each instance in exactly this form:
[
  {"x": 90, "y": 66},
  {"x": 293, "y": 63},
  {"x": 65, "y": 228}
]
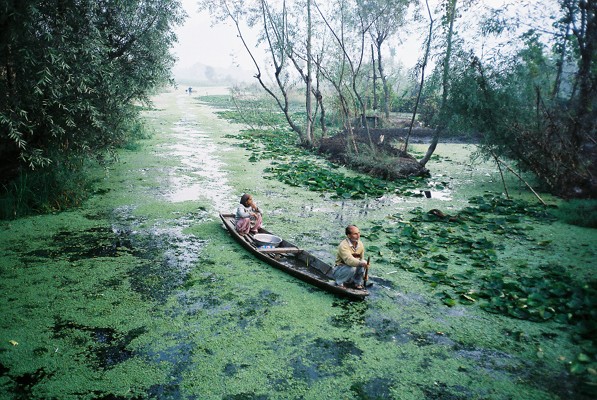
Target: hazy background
[
  {"x": 215, "y": 54},
  {"x": 207, "y": 53}
]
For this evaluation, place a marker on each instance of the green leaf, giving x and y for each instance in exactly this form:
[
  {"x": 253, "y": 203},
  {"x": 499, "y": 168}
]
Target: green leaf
[
  {"x": 582, "y": 357},
  {"x": 577, "y": 368},
  {"x": 449, "y": 302}
]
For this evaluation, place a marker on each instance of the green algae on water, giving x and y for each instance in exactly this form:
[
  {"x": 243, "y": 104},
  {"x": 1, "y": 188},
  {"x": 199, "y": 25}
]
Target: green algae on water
[{"x": 140, "y": 295}]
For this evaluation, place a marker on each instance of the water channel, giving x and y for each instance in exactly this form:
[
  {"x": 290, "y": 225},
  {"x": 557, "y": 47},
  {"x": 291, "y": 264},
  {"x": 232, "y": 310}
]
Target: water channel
[{"x": 141, "y": 293}]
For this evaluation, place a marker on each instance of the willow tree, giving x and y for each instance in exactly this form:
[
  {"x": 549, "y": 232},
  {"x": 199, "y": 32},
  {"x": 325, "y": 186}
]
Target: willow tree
[
  {"x": 271, "y": 20},
  {"x": 275, "y": 34},
  {"x": 534, "y": 102},
  {"x": 422, "y": 68},
  {"x": 309, "y": 76},
  {"x": 448, "y": 24},
  {"x": 580, "y": 16},
  {"x": 349, "y": 24},
  {"x": 390, "y": 18},
  {"x": 72, "y": 74},
  {"x": 557, "y": 146},
  {"x": 301, "y": 34}
]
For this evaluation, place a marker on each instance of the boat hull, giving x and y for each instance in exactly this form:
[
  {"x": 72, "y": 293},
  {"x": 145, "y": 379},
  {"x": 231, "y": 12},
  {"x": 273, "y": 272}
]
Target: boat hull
[{"x": 294, "y": 261}]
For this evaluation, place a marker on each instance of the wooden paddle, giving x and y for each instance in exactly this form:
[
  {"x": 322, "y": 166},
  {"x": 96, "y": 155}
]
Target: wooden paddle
[{"x": 366, "y": 277}]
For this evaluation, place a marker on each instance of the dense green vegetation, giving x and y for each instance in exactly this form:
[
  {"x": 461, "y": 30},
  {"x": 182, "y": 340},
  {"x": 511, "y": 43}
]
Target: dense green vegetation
[
  {"x": 523, "y": 81},
  {"x": 74, "y": 73},
  {"x": 297, "y": 166},
  {"x": 578, "y": 212},
  {"x": 72, "y": 76},
  {"x": 268, "y": 139},
  {"x": 139, "y": 293},
  {"x": 427, "y": 243},
  {"x": 526, "y": 118},
  {"x": 537, "y": 290}
]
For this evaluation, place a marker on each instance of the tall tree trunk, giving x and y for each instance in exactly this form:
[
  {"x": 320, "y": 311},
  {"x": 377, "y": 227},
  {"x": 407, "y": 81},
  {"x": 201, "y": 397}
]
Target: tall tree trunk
[
  {"x": 423, "y": 66},
  {"x": 319, "y": 97},
  {"x": 586, "y": 35},
  {"x": 308, "y": 106},
  {"x": 384, "y": 81},
  {"x": 445, "y": 78},
  {"x": 278, "y": 53},
  {"x": 354, "y": 71},
  {"x": 558, "y": 80},
  {"x": 374, "y": 78}
]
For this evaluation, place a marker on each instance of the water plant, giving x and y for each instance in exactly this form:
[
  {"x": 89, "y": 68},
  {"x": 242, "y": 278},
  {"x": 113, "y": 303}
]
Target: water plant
[
  {"x": 473, "y": 241},
  {"x": 578, "y": 212},
  {"x": 135, "y": 295}
]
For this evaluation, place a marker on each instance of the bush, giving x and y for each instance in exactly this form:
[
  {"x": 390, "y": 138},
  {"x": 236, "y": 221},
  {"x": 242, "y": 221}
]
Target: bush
[
  {"x": 578, "y": 212},
  {"x": 46, "y": 190}
]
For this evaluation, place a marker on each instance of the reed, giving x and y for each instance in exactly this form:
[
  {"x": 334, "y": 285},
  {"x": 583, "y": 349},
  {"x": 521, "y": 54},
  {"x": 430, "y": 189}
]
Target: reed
[
  {"x": 42, "y": 191},
  {"x": 580, "y": 212}
]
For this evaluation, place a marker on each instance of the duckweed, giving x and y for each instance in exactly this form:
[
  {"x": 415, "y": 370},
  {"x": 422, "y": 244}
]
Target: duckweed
[{"x": 134, "y": 295}]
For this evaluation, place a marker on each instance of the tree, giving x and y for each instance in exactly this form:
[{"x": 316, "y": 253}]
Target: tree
[
  {"x": 448, "y": 23},
  {"x": 352, "y": 25},
  {"x": 423, "y": 66},
  {"x": 71, "y": 73},
  {"x": 275, "y": 34},
  {"x": 581, "y": 15},
  {"x": 530, "y": 109},
  {"x": 309, "y": 77},
  {"x": 391, "y": 17}
]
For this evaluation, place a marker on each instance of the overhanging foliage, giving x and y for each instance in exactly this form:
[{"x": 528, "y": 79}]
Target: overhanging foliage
[{"x": 71, "y": 73}]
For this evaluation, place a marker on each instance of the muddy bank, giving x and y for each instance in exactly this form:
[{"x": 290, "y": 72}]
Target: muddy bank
[{"x": 388, "y": 143}]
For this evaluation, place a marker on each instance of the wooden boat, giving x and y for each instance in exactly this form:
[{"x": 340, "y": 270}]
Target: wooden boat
[{"x": 294, "y": 261}]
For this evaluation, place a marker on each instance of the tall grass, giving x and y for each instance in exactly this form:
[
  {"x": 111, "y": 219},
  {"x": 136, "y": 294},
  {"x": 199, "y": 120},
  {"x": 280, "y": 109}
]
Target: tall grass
[
  {"x": 43, "y": 191},
  {"x": 63, "y": 184},
  {"x": 578, "y": 212}
]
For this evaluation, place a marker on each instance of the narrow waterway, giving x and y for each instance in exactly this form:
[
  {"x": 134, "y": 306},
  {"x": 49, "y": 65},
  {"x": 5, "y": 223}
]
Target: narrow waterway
[{"x": 141, "y": 293}]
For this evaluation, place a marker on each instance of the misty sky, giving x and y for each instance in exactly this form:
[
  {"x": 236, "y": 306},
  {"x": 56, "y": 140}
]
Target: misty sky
[
  {"x": 198, "y": 42},
  {"x": 218, "y": 46}
]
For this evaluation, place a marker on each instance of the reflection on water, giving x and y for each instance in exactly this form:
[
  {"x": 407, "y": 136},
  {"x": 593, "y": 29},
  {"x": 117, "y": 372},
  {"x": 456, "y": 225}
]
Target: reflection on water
[{"x": 201, "y": 174}]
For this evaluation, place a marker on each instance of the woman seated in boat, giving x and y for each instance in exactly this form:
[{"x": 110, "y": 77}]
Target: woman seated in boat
[
  {"x": 350, "y": 263},
  {"x": 248, "y": 215}
]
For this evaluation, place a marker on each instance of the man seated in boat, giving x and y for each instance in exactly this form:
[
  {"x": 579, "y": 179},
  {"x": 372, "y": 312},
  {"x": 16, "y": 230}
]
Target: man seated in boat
[
  {"x": 248, "y": 216},
  {"x": 350, "y": 264}
]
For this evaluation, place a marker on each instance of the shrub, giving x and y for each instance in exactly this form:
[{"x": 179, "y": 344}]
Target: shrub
[{"x": 578, "y": 212}]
